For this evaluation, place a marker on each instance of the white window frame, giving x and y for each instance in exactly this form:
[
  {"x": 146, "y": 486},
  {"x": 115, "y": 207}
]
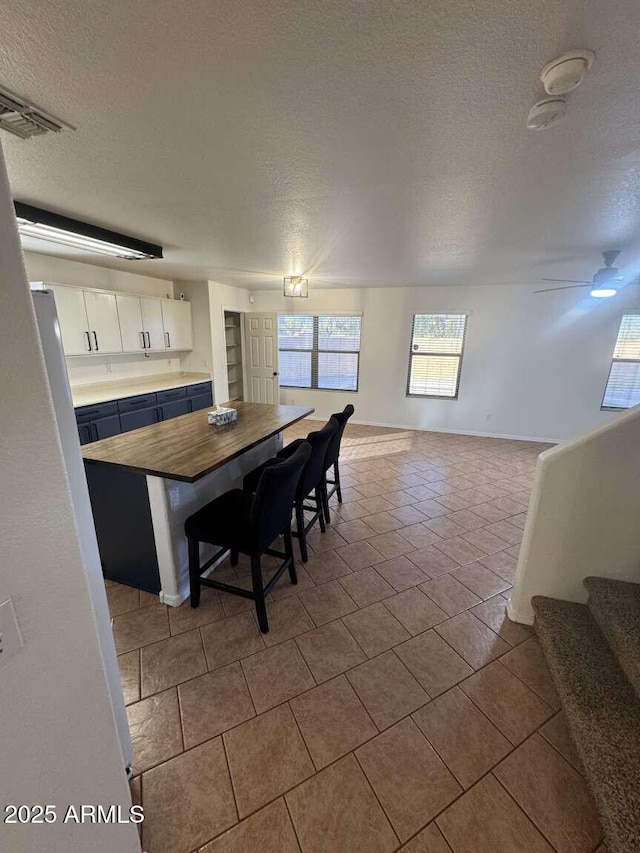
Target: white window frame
[
  {"x": 459, "y": 356},
  {"x": 315, "y": 352},
  {"x": 615, "y": 360}
]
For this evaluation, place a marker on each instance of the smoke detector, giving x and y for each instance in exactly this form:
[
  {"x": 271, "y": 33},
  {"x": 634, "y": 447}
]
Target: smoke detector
[
  {"x": 565, "y": 73},
  {"x": 546, "y": 112}
]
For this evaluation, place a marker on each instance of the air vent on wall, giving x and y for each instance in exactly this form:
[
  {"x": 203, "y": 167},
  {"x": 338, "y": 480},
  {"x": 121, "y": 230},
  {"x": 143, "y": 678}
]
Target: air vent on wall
[{"x": 24, "y": 119}]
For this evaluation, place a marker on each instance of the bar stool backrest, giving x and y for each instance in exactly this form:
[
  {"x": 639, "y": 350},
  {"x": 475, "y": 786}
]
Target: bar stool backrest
[
  {"x": 333, "y": 451},
  {"x": 315, "y": 467},
  {"x": 273, "y": 501}
]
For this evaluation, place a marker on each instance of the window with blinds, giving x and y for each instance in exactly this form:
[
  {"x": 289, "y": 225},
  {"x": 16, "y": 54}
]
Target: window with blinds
[
  {"x": 320, "y": 351},
  {"x": 623, "y": 385},
  {"x": 435, "y": 359}
]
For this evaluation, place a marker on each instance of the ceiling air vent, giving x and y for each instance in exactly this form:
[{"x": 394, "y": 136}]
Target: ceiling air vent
[{"x": 26, "y": 120}]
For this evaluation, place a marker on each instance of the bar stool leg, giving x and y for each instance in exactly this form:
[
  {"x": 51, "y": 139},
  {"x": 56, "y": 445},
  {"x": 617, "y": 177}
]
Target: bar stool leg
[
  {"x": 325, "y": 499},
  {"x": 336, "y": 470},
  {"x": 233, "y": 557},
  {"x": 320, "y": 506},
  {"x": 288, "y": 549},
  {"x": 194, "y": 571},
  {"x": 258, "y": 591},
  {"x": 302, "y": 536}
]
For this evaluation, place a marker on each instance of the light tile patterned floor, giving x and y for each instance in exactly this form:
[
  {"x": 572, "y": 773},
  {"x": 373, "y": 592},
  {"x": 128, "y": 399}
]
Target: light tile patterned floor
[{"x": 391, "y": 707}]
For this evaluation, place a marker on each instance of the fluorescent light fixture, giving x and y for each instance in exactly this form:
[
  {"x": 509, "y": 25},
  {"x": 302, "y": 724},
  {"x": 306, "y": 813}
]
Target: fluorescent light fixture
[
  {"x": 603, "y": 292},
  {"x": 46, "y": 225},
  {"x": 295, "y": 285}
]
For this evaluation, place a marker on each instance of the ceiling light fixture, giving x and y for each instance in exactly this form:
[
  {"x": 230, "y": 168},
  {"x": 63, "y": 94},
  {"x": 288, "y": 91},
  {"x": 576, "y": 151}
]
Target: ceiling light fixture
[
  {"x": 295, "y": 285},
  {"x": 46, "y": 225},
  {"x": 603, "y": 292}
]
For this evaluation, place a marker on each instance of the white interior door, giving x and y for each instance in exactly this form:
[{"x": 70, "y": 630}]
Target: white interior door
[
  {"x": 176, "y": 318},
  {"x": 72, "y": 318},
  {"x": 131, "y": 328},
  {"x": 152, "y": 322},
  {"x": 104, "y": 327},
  {"x": 261, "y": 344}
]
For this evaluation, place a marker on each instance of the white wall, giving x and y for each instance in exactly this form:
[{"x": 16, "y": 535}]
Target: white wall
[
  {"x": 200, "y": 359},
  {"x": 535, "y": 365},
  {"x": 96, "y": 368},
  {"x": 223, "y": 298},
  {"x": 583, "y": 516},
  {"x": 58, "y": 738}
]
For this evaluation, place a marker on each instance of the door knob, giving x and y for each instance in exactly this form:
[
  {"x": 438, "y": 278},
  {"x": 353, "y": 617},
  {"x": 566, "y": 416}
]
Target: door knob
[{"x": 275, "y": 372}]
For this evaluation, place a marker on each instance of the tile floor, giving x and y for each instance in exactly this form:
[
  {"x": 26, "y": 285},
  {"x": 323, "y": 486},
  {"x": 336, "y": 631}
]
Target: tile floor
[{"x": 391, "y": 707}]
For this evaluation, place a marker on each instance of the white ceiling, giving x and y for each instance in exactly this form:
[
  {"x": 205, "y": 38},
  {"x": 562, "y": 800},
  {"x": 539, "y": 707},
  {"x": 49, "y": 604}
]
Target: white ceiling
[{"x": 364, "y": 142}]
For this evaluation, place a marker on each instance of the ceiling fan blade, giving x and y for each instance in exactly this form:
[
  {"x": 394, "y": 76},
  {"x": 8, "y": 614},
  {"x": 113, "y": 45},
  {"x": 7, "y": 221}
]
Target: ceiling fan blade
[
  {"x": 568, "y": 280},
  {"x": 568, "y": 287}
]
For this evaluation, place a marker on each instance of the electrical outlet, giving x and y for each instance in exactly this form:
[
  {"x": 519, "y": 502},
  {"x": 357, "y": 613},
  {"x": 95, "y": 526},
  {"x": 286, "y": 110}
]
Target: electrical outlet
[
  {"x": 10, "y": 636},
  {"x": 174, "y": 497}
]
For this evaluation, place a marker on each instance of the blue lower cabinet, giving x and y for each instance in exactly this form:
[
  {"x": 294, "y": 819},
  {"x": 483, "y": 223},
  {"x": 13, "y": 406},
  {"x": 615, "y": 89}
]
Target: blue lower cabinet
[
  {"x": 135, "y": 420},
  {"x": 201, "y": 401},
  {"x": 106, "y": 427},
  {"x": 85, "y": 433},
  {"x": 173, "y": 410}
]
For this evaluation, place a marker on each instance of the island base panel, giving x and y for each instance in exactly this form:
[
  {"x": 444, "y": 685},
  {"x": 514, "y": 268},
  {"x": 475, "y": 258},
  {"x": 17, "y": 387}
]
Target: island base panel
[{"x": 124, "y": 527}]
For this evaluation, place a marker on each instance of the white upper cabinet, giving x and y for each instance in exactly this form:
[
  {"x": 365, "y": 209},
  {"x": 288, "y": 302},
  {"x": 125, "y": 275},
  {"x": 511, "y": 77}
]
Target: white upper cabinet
[
  {"x": 96, "y": 322},
  {"x": 72, "y": 317},
  {"x": 152, "y": 323},
  {"x": 102, "y": 316},
  {"x": 178, "y": 331}
]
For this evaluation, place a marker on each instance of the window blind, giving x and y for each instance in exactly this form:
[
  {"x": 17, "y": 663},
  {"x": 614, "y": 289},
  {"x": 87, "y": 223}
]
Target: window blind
[
  {"x": 435, "y": 358},
  {"x": 319, "y": 351},
  {"x": 623, "y": 385}
]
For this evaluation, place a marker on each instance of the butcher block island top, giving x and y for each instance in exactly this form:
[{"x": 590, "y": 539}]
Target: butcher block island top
[{"x": 188, "y": 448}]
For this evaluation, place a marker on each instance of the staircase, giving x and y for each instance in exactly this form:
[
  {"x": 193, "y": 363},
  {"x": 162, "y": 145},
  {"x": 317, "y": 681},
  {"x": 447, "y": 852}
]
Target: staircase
[{"x": 593, "y": 652}]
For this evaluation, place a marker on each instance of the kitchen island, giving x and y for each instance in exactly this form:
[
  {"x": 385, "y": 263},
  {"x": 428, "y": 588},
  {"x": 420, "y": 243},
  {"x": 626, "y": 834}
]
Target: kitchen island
[{"x": 144, "y": 485}]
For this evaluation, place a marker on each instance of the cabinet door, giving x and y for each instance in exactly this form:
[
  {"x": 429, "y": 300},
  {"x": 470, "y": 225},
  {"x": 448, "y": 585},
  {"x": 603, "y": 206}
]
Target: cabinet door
[
  {"x": 85, "y": 433},
  {"x": 72, "y": 318},
  {"x": 152, "y": 322},
  {"x": 106, "y": 427},
  {"x": 176, "y": 318},
  {"x": 130, "y": 318},
  {"x": 135, "y": 420},
  {"x": 104, "y": 328},
  {"x": 173, "y": 410},
  {"x": 201, "y": 401}
]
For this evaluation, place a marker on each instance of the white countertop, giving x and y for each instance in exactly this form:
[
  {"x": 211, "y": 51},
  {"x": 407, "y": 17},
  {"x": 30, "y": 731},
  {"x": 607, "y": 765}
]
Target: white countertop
[{"x": 103, "y": 392}]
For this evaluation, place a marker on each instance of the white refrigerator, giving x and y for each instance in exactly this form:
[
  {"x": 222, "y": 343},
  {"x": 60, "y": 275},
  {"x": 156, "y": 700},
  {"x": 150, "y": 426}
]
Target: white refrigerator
[{"x": 51, "y": 340}]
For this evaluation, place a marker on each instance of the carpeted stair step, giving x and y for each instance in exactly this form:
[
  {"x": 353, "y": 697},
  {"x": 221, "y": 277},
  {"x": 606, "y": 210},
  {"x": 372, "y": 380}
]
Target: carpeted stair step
[
  {"x": 603, "y": 712},
  {"x": 616, "y": 608}
]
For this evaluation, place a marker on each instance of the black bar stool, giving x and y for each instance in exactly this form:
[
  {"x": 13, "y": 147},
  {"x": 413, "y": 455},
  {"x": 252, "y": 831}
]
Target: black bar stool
[
  {"x": 310, "y": 493},
  {"x": 333, "y": 453},
  {"x": 245, "y": 523}
]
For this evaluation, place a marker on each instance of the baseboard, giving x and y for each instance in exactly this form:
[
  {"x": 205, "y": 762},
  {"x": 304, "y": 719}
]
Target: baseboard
[
  {"x": 525, "y": 617},
  {"x": 446, "y": 431},
  {"x": 177, "y": 599}
]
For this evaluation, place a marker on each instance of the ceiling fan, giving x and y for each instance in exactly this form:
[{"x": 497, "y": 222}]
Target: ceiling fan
[{"x": 603, "y": 284}]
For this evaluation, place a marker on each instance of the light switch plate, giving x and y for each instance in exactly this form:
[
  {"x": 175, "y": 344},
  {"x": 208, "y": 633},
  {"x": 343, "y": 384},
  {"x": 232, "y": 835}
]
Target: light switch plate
[{"x": 10, "y": 636}]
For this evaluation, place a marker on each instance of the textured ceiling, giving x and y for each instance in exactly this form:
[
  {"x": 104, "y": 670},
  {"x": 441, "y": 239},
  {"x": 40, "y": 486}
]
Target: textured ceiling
[{"x": 364, "y": 142}]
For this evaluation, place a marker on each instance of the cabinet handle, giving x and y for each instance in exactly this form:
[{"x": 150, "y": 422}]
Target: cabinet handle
[
  {"x": 144, "y": 346},
  {"x": 95, "y": 338},
  {"x": 168, "y": 340},
  {"x": 89, "y": 341},
  {"x": 148, "y": 340}
]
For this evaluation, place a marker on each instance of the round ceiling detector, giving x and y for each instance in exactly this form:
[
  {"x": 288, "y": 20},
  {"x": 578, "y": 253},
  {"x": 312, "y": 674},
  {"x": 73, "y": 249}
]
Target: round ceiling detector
[
  {"x": 546, "y": 112},
  {"x": 565, "y": 73}
]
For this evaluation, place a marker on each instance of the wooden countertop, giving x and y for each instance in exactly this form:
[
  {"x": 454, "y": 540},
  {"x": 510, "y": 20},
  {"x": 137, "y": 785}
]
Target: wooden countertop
[
  {"x": 187, "y": 448},
  {"x": 116, "y": 389}
]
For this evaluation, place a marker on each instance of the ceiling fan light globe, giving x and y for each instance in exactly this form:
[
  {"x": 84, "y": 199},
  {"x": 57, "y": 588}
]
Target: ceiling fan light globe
[{"x": 603, "y": 292}]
